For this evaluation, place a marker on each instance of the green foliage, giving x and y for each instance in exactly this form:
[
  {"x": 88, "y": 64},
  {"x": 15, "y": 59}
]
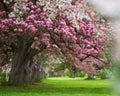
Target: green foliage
[
  {"x": 53, "y": 65},
  {"x": 3, "y": 78},
  {"x": 74, "y": 72},
  {"x": 60, "y": 87},
  {"x": 67, "y": 72},
  {"x": 82, "y": 74},
  {"x": 105, "y": 73}
]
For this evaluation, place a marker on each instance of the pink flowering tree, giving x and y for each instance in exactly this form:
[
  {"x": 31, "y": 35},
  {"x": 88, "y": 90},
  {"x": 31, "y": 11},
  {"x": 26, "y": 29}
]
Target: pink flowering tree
[{"x": 29, "y": 27}]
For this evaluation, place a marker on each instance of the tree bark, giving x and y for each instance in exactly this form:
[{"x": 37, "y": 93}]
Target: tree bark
[
  {"x": 21, "y": 72},
  {"x": 38, "y": 71},
  {"x": 26, "y": 72},
  {"x": 23, "y": 68},
  {"x": 90, "y": 76}
]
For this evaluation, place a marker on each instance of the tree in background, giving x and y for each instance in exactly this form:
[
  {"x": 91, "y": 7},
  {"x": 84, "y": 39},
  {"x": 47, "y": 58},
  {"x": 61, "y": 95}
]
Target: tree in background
[{"x": 29, "y": 27}]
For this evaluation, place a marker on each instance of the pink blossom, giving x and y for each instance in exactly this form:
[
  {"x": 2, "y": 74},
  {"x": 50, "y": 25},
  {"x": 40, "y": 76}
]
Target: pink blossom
[
  {"x": 20, "y": 30},
  {"x": 35, "y": 38},
  {"x": 48, "y": 23},
  {"x": 72, "y": 8},
  {"x": 63, "y": 23}
]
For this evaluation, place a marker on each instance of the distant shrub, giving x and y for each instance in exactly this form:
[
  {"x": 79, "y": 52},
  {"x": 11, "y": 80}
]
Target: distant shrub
[
  {"x": 67, "y": 72},
  {"x": 105, "y": 73},
  {"x": 3, "y": 78}
]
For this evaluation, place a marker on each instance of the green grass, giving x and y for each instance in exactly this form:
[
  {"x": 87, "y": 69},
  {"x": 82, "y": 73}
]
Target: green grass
[{"x": 61, "y": 87}]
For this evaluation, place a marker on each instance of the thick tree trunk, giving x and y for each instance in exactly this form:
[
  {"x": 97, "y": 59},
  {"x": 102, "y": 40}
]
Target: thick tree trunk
[
  {"x": 23, "y": 69},
  {"x": 21, "y": 72},
  {"x": 25, "y": 72}
]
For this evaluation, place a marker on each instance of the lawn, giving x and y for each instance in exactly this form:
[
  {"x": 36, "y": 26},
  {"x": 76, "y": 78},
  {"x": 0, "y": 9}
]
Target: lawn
[{"x": 61, "y": 87}]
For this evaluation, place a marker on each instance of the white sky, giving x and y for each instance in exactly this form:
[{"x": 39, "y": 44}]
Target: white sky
[{"x": 109, "y": 8}]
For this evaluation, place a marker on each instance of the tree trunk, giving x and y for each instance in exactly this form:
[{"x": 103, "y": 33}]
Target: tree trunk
[
  {"x": 72, "y": 70},
  {"x": 38, "y": 72},
  {"x": 21, "y": 72},
  {"x": 90, "y": 76}
]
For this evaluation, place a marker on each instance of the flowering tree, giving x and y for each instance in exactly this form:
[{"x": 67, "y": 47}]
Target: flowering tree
[{"x": 28, "y": 27}]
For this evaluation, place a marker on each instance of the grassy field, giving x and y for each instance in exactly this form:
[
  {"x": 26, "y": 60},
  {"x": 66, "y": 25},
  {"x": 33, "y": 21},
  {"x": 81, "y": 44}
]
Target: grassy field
[{"x": 61, "y": 87}]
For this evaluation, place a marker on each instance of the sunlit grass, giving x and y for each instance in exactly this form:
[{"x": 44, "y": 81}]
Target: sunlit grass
[{"x": 61, "y": 87}]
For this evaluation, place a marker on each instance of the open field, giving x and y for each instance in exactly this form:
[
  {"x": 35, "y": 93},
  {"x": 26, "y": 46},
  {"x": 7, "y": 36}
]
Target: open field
[{"x": 61, "y": 87}]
